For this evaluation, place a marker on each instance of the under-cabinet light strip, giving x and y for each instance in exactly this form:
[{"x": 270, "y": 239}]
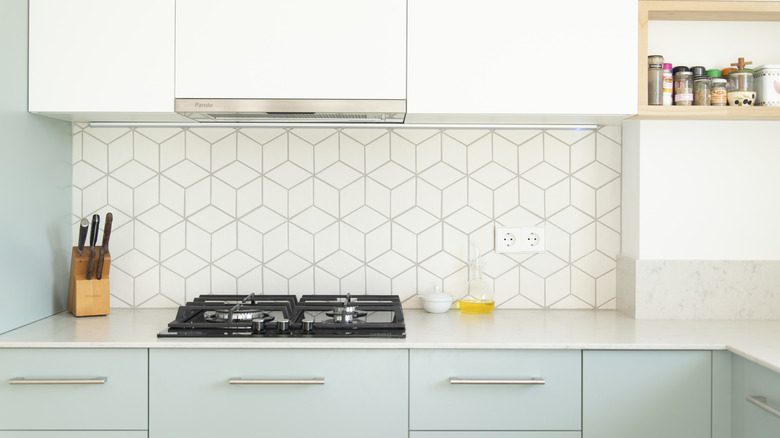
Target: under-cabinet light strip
[{"x": 338, "y": 125}]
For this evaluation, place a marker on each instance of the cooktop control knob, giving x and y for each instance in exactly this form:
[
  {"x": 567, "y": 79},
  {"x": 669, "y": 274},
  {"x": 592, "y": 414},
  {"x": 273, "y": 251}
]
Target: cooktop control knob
[
  {"x": 283, "y": 325},
  {"x": 307, "y": 325},
  {"x": 258, "y": 325}
]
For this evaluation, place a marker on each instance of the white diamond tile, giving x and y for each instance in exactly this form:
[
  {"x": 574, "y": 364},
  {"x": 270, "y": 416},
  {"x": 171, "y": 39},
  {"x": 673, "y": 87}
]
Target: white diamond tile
[
  {"x": 377, "y": 197},
  {"x": 326, "y": 198},
  {"x": 147, "y": 285},
  {"x": 288, "y": 264},
  {"x": 479, "y": 153},
  {"x": 303, "y": 283},
  {"x": 570, "y": 302},
  {"x": 544, "y": 175},
  {"x": 197, "y": 196},
  {"x": 251, "y": 282},
  {"x": 467, "y": 219},
  {"x": 120, "y": 152},
  {"x": 520, "y": 302},
  {"x": 185, "y": 173},
  {"x": 274, "y": 283},
  {"x": 301, "y": 197},
  {"x": 405, "y": 285},
  {"x": 275, "y": 242},
  {"x": 172, "y": 241},
  {"x": 569, "y": 136},
  {"x": 611, "y": 219},
  {"x": 456, "y": 242},
  {"x": 314, "y": 135},
  {"x": 613, "y": 132},
  {"x": 339, "y": 264},
  {"x": 236, "y": 174},
  {"x": 391, "y": 175},
  {"x": 606, "y": 290},
  {"x": 377, "y": 153},
  {"x": 263, "y": 219},
  {"x": 173, "y": 286},
  {"x": 442, "y": 265},
  {"x": 121, "y": 239},
  {"x": 364, "y": 136},
  {"x": 95, "y": 196},
  {"x": 429, "y": 152},
  {"x": 556, "y": 197},
  {"x": 583, "y": 197},
  {"x": 608, "y": 197},
  {"x": 426, "y": 284},
  {"x": 483, "y": 238},
  {"x": 454, "y": 153},
  {"x": 596, "y": 264},
  {"x": 352, "y": 153},
  {"x": 506, "y": 286},
  {"x": 519, "y": 216},
  {"x": 415, "y": 136},
  {"x": 493, "y": 175},
  {"x": 506, "y": 198},
  {"x": 530, "y": 154},
  {"x": 429, "y": 198},
  {"x": 608, "y": 153},
  {"x": 147, "y": 241},
  {"x": 248, "y": 152},
  {"x": 198, "y": 283},
  {"x": 402, "y": 197},
  {"x": 583, "y": 286},
  {"x": 146, "y": 195},
  {"x": 558, "y": 242},
  {"x": 583, "y": 242},
  {"x": 480, "y": 198},
  {"x": 85, "y": 174},
  {"x": 172, "y": 151},
  {"x": 365, "y": 219},
  {"x": 263, "y": 135},
  {"x": 288, "y": 175},
  {"x": 468, "y": 136},
  {"x": 354, "y": 283},
  {"x": 556, "y": 153},
  {"x": 301, "y": 243},
  {"x": 377, "y": 283},
  {"x": 351, "y": 241},
  {"x": 157, "y": 134},
  {"x": 171, "y": 195},
  {"x": 121, "y": 289},
  {"x": 570, "y": 219},
  {"x": 326, "y": 242},
  {"x": 429, "y": 242},
  {"x": 532, "y": 287},
  {"x": 211, "y": 134},
  {"x": 133, "y": 174},
  {"x": 326, "y": 282},
  {"x": 275, "y": 196},
  {"x": 274, "y": 153},
  {"x": 531, "y": 198},
  {"x": 505, "y": 152},
  {"x": 544, "y": 264},
  {"x": 441, "y": 175},
  {"x": 197, "y": 150},
  {"x": 404, "y": 242},
  {"x": 301, "y": 153},
  {"x": 236, "y": 263},
  {"x": 198, "y": 241},
  {"x": 210, "y": 219},
  {"x": 339, "y": 175},
  {"x": 416, "y": 220},
  {"x": 313, "y": 220},
  {"x": 107, "y": 135},
  {"x": 146, "y": 152},
  {"x": 403, "y": 153},
  {"x": 222, "y": 281},
  {"x": 557, "y": 286},
  {"x": 596, "y": 175},
  {"x": 133, "y": 262},
  {"x": 497, "y": 264},
  {"x": 518, "y": 136},
  {"x": 378, "y": 241},
  {"x": 454, "y": 197},
  {"x": 608, "y": 241},
  {"x": 390, "y": 264},
  {"x": 455, "y": 284},
  {"x": 250, "y": 241},
  {"x": 224, "y": 241}
]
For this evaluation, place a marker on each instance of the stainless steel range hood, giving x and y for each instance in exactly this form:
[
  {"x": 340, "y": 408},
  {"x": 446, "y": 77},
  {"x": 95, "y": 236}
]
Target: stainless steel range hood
[{"x": 293, "y": 110}]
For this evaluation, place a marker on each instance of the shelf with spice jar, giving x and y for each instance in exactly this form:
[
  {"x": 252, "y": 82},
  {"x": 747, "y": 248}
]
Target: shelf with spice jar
[{"x": 701, "y": 14}]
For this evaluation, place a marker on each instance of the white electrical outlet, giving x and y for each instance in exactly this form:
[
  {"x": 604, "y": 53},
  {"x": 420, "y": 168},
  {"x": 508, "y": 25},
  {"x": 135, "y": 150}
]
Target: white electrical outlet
[{"x": 520, "y": 239}]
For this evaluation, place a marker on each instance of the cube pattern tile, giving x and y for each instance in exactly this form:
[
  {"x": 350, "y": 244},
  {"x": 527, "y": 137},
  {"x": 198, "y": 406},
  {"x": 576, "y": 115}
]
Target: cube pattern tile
[{"x": 381, "y": 211}]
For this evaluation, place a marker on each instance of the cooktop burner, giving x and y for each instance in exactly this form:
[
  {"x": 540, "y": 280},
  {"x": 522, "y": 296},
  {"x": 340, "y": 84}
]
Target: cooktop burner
[{"x": 361, "y": 316}]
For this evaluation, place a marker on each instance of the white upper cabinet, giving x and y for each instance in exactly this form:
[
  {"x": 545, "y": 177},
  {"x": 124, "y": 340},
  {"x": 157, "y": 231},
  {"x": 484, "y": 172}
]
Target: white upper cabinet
[
  {"x": 101, "y": 56},
  {"x": 499, "y": 58},
  {"x": 291, "y": 49}
]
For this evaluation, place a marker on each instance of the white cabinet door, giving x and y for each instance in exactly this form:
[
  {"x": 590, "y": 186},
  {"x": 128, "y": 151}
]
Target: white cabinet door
[
  {"x": 101, "y": 56},
  {"x": 522, "y": 57},
  {"x": 291, "y": 49}
]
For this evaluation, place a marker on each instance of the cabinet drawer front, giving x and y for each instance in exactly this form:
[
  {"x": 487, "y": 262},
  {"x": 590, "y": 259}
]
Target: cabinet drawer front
[
  {"x": 349, "y": 391},
  {"x": 760, "y": 415},
  {"x": 472, "y": 434},
  {"x": 72, "y": 434},
  {"x": 61, "y": 389},
  {"x": 498, "y": 391}
]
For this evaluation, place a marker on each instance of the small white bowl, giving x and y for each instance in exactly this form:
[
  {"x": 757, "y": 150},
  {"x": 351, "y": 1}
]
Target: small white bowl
[{"x": 437, "y": 303}]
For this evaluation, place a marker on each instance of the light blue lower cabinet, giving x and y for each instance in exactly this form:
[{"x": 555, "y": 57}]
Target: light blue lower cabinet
[
  {"x": 73, "y": 434},
  {"x": 495, "y": 390},
  {"x": 270, "y": 393},
  {"x": 755, "y": 400},
  {"x": 647, "y": 394},
  {"x": 43, "y": 389}
]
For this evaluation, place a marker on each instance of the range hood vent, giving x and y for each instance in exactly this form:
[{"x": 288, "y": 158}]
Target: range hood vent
[{"x": 292, "y": 110}]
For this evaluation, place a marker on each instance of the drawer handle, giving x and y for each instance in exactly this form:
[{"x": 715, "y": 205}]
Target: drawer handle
[
  {"x": 760, "y": 401},
  {"x": 23, "y": 381},
  {"x": 240, "y": 381},
  {"x": 457, "y": 381}
]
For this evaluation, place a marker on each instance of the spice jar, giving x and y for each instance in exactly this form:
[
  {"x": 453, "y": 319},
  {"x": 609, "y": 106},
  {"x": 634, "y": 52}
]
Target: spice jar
[
  {"x": 698, "y": 70},
  {"x": 701, "y": 91},
  {"x": 655, "y": 80},
  {"x": 741, "y": 80},
  {"x": 683, "y": 88},
  {"x": 719, "y": 94},
  {"x": 668, "y": 95}
]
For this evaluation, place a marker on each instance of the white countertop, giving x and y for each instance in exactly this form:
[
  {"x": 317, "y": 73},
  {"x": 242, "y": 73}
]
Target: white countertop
[{"x": 756, "y": 340}]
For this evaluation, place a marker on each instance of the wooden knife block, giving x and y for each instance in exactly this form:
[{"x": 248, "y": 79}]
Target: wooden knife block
[{"x": 88, "y": 297}]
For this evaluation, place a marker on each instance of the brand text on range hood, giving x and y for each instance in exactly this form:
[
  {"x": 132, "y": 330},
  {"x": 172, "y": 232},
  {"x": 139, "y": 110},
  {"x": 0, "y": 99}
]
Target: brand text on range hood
[{"x": 293, "y": 110}]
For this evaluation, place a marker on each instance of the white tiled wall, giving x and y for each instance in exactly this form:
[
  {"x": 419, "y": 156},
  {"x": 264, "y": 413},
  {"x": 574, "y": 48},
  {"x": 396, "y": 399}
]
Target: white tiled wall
[{"x": 380, "y": 211}]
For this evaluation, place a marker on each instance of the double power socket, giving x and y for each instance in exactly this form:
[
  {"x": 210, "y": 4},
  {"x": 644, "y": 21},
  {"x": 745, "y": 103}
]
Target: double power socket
[{"x": 520, "y": 239}]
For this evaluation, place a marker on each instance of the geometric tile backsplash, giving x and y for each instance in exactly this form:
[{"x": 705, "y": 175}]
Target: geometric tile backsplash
[{"x": 381, "y": 211}]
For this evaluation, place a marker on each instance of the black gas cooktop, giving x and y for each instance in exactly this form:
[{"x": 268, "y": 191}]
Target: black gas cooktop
[{"x": 316, "y": 316}]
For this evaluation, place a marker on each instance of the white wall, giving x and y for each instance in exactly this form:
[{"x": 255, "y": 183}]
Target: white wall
[{"x": 708, "y": 190}]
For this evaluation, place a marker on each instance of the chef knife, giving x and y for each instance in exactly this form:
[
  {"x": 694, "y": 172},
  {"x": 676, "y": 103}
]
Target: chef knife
[
  {"x": 104, "y": 247},
  {"x": 83, "y": 234},
  {"x": 92, "y": 241}
]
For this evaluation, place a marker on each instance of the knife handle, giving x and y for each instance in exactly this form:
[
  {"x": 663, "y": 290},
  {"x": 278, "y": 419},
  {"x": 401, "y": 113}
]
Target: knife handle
[
  {"x": 104, "y": 248},
  {"x": 83, "y": 228},
  {"x": 90, "y": 263},
  {"x": 93, "y": 234}
]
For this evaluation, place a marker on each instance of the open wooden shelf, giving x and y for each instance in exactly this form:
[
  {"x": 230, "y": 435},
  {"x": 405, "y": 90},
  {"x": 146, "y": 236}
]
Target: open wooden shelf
[{"x": 699, "y": 11}]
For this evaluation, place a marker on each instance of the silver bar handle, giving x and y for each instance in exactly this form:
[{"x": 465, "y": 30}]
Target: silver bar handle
[
  {"x": 458, "y": 381},
  {"x": 240, "y": 381},
  {"x": 23, "y": 381},
  {"x": 760, "y": 401}
]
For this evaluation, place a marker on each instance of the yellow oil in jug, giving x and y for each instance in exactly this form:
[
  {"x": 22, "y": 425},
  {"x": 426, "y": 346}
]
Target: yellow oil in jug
[{"x": 476, "y": 306}]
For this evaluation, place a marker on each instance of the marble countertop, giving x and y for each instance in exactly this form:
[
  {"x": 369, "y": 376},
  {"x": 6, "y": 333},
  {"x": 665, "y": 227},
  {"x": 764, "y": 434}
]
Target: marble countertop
[{"x": 756, "y": 340}]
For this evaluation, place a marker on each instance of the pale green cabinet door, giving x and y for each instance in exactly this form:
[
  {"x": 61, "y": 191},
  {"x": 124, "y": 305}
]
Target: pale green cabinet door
[
  {"x": 278, "y": 393},
  {"x": 30, "y": 401},
  {"x": 757, "y": 418},
  {"x": 72, "y": 434},
  {"x": 474, "y": 434},
  {"x": 646, "y": 394}
]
